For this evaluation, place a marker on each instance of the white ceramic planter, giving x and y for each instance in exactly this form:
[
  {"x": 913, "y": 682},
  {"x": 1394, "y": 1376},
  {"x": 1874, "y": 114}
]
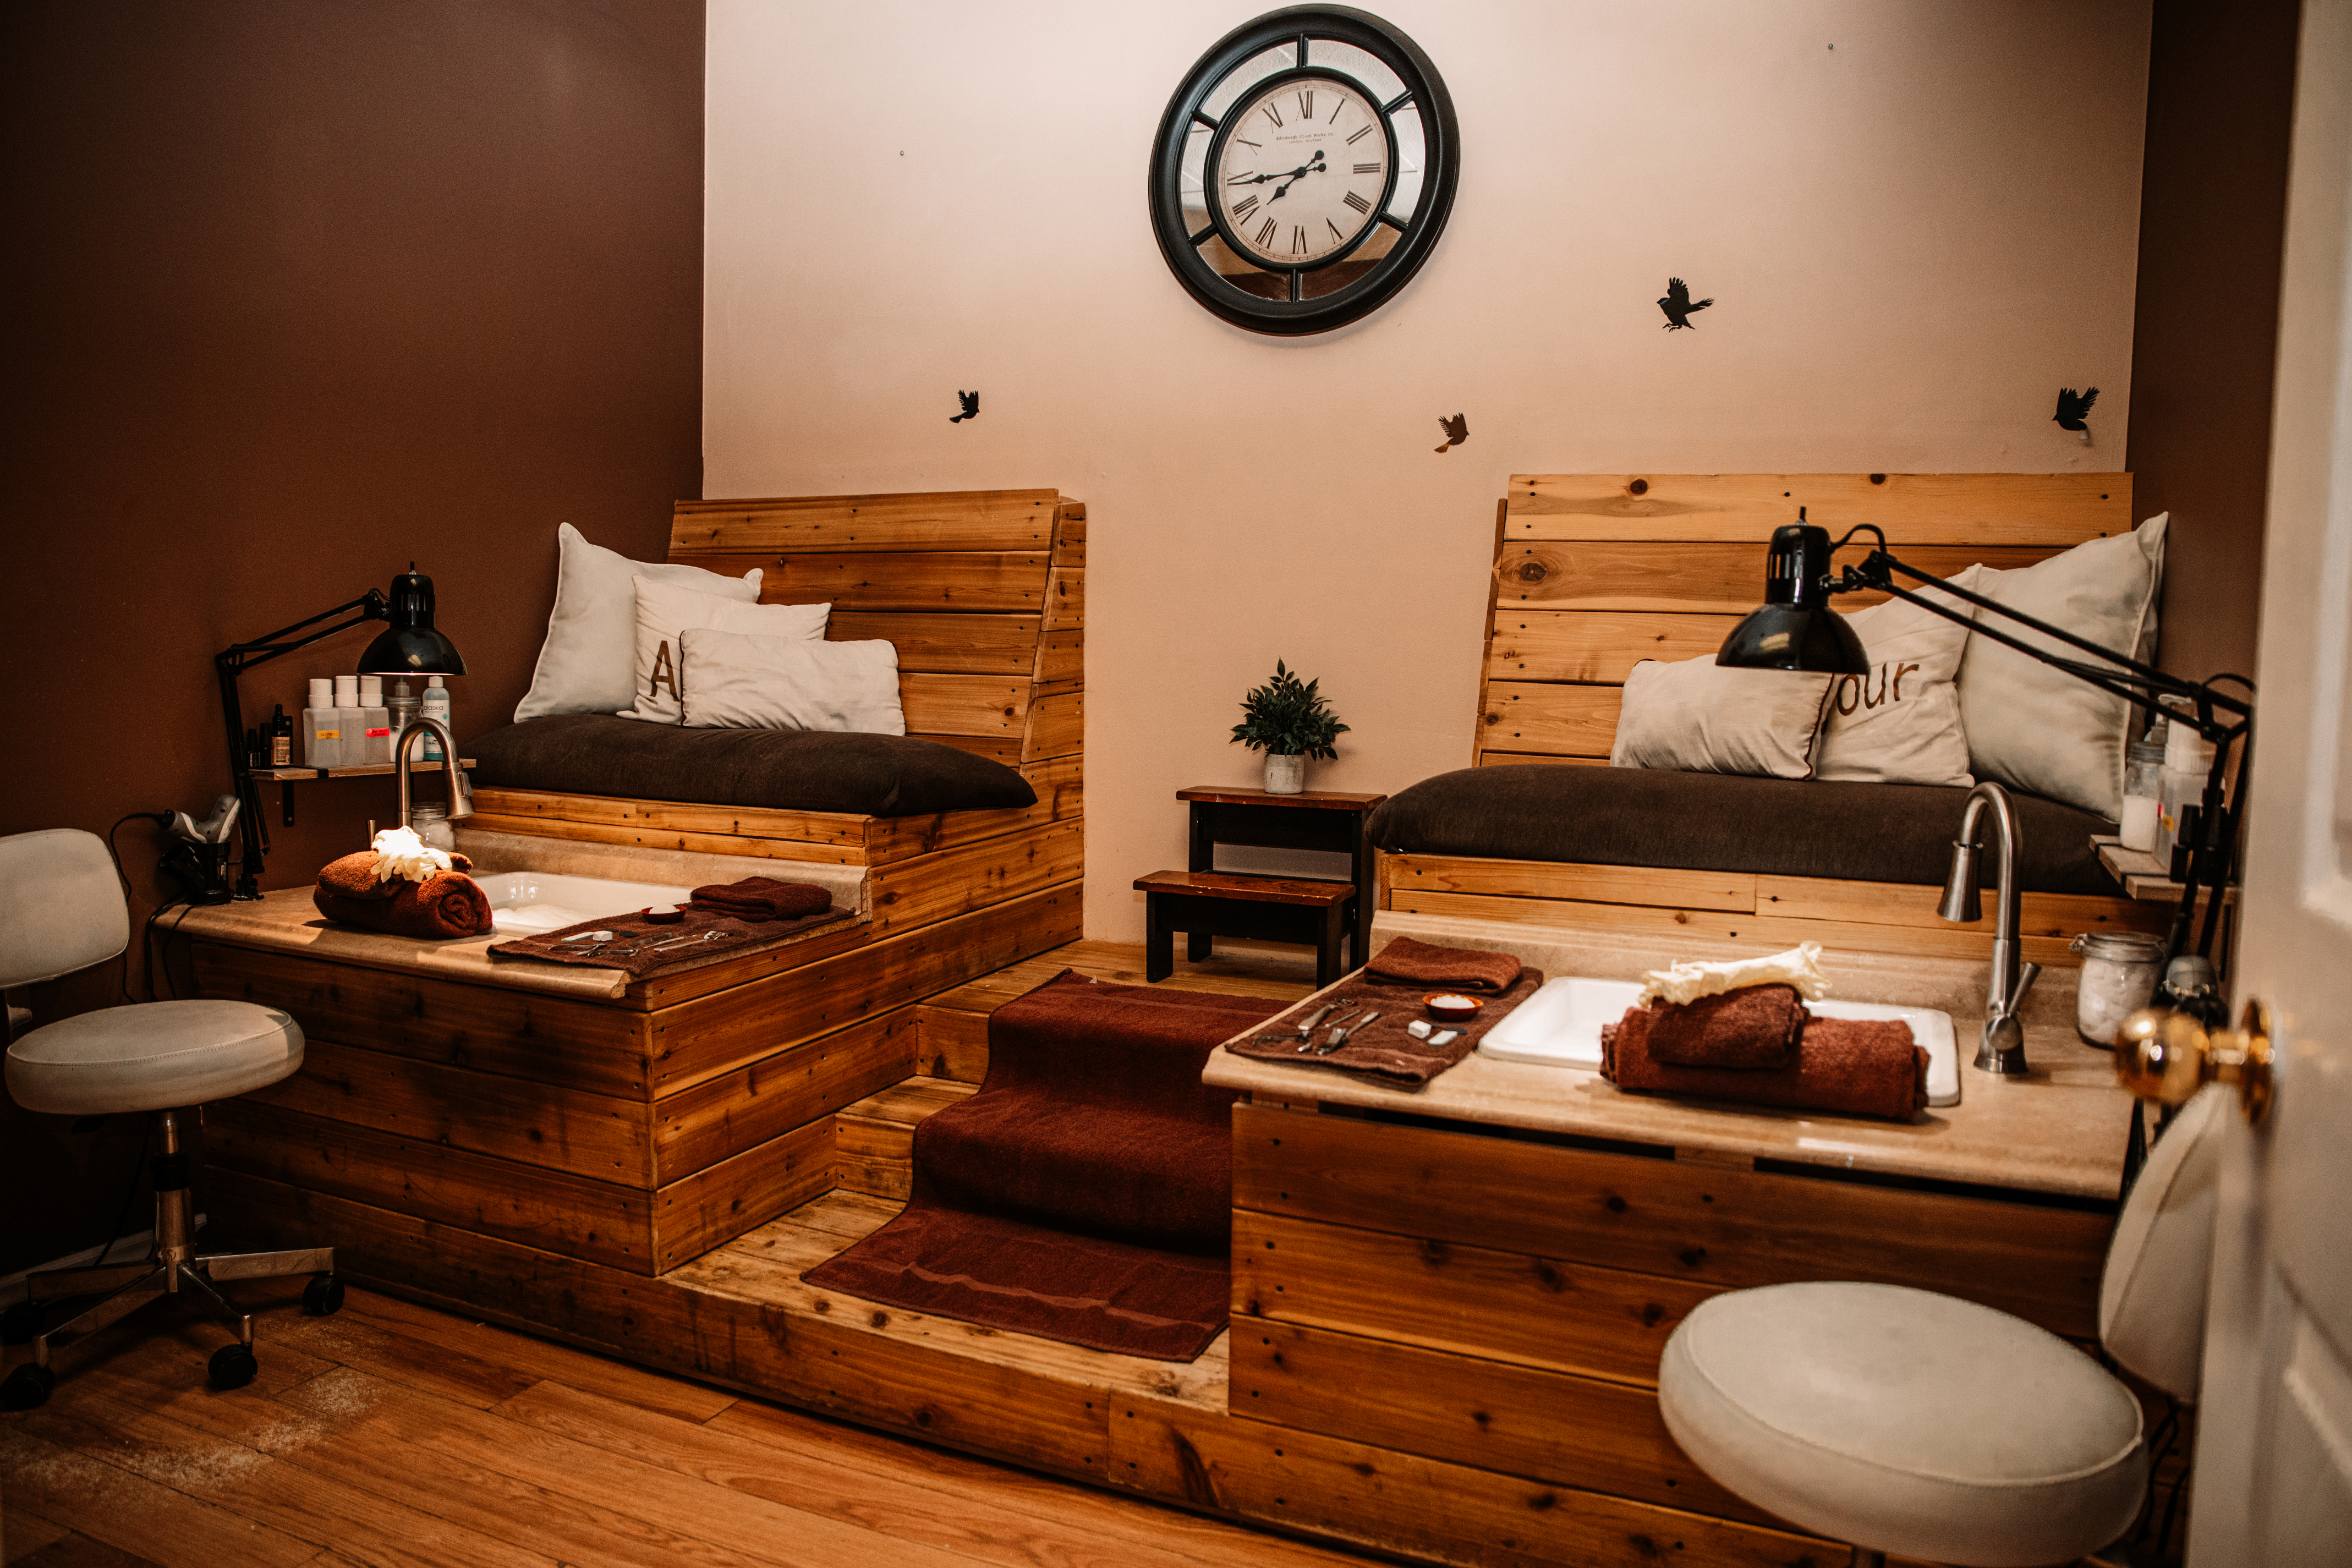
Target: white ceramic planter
[{"x": 1285, "y": 773}]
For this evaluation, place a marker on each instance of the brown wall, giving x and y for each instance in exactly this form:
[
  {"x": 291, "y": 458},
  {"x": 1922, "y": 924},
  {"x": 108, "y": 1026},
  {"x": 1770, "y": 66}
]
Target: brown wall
[
  {"x": 2221, "y": 89},
  {"x": 302, "y": 290}
]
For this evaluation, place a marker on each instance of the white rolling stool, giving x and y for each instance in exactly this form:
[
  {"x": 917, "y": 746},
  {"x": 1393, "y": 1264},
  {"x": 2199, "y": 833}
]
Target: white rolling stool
[
  {"x": 62, "y": 910},
  {"x": 1904, "y": 1421}
]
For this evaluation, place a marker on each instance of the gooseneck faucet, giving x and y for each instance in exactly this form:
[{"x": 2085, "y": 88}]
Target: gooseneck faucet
[
  {"x": 461, "y": 794},
  {"x": 2003, "y": 1048}
]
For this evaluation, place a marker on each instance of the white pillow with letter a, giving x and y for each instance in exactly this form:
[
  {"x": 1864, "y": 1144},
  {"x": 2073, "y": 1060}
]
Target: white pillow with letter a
[
  {"x": 739, "y": 682},
  {"x": 585, "y": 666},
  {"x": 1900, "y": 723},
  {"x": 664, "y": 611}
]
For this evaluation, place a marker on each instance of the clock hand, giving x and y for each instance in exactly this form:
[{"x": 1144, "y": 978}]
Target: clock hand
[{"x": 1314, "y": 165}]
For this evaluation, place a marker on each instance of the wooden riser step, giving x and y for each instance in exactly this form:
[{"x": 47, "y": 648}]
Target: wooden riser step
[{"x": 873, "y": 1139}]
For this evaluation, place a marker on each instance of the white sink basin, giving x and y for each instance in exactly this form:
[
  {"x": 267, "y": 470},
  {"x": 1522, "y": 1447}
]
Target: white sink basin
[
  {"x": 523, "y": 904},
  {"x": 1559, "y": 1026}
]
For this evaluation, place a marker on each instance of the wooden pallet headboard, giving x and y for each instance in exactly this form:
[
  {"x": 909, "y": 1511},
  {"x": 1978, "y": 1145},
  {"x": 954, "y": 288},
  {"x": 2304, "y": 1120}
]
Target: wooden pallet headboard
[
  {"x": 983, "y": 592},
  {"x": 1594, "y": 572}
]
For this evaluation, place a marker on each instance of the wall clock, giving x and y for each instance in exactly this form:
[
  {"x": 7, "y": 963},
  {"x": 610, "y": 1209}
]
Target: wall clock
[{"x": 1304, "y": 170}]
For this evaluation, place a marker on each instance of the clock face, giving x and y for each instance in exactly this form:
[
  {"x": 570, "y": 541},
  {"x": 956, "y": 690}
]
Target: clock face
[{"x": 1302, "y": 169}]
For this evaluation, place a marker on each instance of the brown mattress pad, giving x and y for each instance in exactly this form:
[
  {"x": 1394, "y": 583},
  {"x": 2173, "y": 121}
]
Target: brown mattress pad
[
  {"x": 1720, "y": 821},
  {"x": 785, "y": 770}
]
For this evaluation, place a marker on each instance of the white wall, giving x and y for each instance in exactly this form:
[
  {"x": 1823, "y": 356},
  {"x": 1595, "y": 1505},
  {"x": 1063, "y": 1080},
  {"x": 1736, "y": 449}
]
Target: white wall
[{"x": 1918, "y": 220}]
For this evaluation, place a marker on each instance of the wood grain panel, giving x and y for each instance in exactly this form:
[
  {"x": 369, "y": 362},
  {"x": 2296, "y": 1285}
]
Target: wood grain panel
[
  {"x": 1006, "y": 582},
  {"x": 1596, "y": 645},
  {"x": 845, "y": 830},
  {"x": 953, "y": 1043},
  {"x": 644, "y": 836},
  {"x": 1062, "y": 659},
  {"x": 1727, "y": 1228},
  {"x": 1420, "y": 1508},
  {"x": 1528, "y": 716},
  {"x": 945, "y": 644},
  {"x": 986, "y": 705},
  {"x": 602, "y": 1137},
  {"x": 1732, "y": 891},
  {"x": 515, "y": 1034},
  {"x": 1445, "y": 1295},
  {"x": 598, "y": 1221},
  {"x": 720, "y": 1202},
  {"x": 2057, "y": 511},
  {"x": 1057, "y": 727},
  {"x": 728, "y": 1029},
  {"x": 1065, "y": 599},
  {"x": 2060, "y": 915},
  {"x": 1523, "y": 759},
  {"x": 935, "y": 886},
  {"x": 1545, "y": 1426},
  {"x": 947, "y": 520},
  {"x": 996, "y": 748},
  {"x": 724, "y": 1116},
  {"x": 1726, "y": 578}
]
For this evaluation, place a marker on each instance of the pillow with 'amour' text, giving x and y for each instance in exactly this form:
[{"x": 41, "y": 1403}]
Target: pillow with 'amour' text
[{"x": 1899, "y": 722}]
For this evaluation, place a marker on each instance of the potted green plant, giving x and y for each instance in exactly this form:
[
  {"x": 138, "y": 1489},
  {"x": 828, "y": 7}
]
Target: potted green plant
[{"x": 1290, "y": 721}]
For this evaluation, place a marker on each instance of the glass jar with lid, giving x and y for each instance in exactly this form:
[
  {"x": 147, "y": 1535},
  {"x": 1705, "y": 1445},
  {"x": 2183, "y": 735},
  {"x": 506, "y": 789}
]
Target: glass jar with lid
[
  {"x": 2120, "y": 968},
  {"x": 432, "y": 825}
]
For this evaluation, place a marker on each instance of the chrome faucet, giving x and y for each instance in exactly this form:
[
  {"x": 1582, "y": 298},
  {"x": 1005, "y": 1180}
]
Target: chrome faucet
[
  {"x": 461, "y": 794},
  {"x": 2003, "y": 1048}
]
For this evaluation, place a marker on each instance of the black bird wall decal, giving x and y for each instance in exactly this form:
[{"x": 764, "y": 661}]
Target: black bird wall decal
[
  {"x": 1677, "y": 305},
  {"x": 1457, "y": 430},
  {"x": 2075, "y": 407},
  {"x": 971, "y": 401}
]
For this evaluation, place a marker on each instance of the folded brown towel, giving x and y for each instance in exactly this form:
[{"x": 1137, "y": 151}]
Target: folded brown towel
[
  {"x": 763, "y": 898},
  {"x": 354, "y": 876},
  {"x": 1460, "y": 968},
  {"x": 1843, "y": 1065},
  {"x": 1754, "y": 1026},
  {"x": 447, "y": 904}
]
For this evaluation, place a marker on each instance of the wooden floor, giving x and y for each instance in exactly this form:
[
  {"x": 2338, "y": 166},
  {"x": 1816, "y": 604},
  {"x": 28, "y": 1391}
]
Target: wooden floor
[{"x": 393, "y": 1434}]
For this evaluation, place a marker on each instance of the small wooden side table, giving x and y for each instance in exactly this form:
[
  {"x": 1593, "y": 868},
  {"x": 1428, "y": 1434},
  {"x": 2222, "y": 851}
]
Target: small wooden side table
[{"x": 1317, "y": 819}]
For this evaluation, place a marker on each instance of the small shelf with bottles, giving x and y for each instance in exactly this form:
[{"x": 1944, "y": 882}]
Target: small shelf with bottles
[{"x": 297, "y": 774}]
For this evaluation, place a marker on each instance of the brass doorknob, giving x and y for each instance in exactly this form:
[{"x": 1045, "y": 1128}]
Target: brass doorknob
[{"x": 2167, "y": 1056}]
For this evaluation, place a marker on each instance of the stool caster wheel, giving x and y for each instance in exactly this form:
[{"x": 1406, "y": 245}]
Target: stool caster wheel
[
  {"x": 231, "y": 1366},
  {"x": 27, "y": 1388},
  {"x": 323, "y": 1295},
  {"x": 20, "y": 1323}
]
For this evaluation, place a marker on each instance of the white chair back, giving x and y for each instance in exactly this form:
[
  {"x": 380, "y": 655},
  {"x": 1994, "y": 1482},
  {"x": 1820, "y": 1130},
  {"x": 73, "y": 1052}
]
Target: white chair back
[
  {"x": 2152, "y": 1299},
  {"x": 61, "y": 907}
]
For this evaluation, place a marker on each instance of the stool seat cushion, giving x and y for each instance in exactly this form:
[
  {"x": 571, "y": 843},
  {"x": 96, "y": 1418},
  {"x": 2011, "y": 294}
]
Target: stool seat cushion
[
  {"x": 153, "y": 1056},
  {"x": 1906, "y": 1421}
]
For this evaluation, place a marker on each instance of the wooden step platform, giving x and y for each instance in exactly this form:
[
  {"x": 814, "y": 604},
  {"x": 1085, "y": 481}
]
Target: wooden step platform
[{"x": 1203, "y": 904}]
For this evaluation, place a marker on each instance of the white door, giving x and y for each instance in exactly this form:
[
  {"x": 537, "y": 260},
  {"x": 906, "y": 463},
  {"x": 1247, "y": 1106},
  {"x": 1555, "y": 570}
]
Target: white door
[{"x": 2274, "y": 1479}]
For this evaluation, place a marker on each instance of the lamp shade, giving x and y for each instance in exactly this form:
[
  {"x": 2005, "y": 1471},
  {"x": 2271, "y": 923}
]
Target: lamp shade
[
  {"x": 412, "y": 647},
  {"x": 1795, "y": 628}
]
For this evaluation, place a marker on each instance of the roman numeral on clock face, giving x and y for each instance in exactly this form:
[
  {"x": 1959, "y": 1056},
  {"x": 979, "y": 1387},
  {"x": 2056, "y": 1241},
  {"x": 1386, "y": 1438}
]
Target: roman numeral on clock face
[
  {"x": 1307, "y": 104},
  {"x": 1266, "y": 234},
  {"x": 1356, "y": 202},
  {"x": 1242, "y": 178},
  {"x": 1298, "y": 239},
  {"x": 1272, "y": 113},
  {"x": 1368, "y": 168},
  {"x": 1334, "y": 228},
  {"x": 1246, "y": 207},
  {"x": 1364, "y": 132}
]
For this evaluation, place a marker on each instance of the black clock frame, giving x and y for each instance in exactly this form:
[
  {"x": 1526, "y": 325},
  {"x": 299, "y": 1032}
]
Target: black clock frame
[{"x": 1417, "y": 236}]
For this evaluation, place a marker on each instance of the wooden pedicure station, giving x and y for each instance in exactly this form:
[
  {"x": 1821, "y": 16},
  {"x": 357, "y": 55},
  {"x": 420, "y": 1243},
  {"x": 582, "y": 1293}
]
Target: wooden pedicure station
[{"x": 1447, "y": 1306}]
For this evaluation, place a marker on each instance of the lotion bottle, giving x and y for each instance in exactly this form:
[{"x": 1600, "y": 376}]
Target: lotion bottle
[
  {"x": 375, "y": 722},
  {"x": 347, "y": 721},
  {"x": 434, "y": 705},
  {"x": 323, "y": 736}
]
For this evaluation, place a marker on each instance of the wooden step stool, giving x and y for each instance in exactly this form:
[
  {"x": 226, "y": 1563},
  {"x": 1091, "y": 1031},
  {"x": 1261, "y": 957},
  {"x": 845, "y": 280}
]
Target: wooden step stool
[{"x": 1203, "y": 904}]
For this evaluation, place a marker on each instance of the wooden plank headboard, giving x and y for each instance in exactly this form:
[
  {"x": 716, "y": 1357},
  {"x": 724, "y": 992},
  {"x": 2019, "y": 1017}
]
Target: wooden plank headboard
[
  {"x": 1594, "y": 572},
  {"x": 982, "y": 590}
]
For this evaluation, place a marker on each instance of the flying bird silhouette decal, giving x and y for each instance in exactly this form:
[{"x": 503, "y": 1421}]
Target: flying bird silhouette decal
[
  {"x": 1457, "y": 430},
  {"x": 971, "y": 401},
  {"x": 1676, "y": 303},
  {"x": 2075, "y": 407}
]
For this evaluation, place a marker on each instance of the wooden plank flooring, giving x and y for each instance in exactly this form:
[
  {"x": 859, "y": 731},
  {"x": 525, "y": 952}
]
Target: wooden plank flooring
[{"x": 398, "y": 1435}]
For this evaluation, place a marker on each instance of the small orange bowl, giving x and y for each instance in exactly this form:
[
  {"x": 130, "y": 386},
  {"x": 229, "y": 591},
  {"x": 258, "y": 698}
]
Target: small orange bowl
[
  {"x": 1452, "y": 1006},
  {"x": 663, "y": 914}
]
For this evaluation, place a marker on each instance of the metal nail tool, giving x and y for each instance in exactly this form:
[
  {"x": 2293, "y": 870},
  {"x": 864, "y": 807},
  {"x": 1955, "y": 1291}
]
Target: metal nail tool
[
  {"x": 594, "y": 936},
  {"x": 1307, "y": 1043},
  {"x": 1303, "y": 1027},
  {"x": 1338, "y": 1036}
]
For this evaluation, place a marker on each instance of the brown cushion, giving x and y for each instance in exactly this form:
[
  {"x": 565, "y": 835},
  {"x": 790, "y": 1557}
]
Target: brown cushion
[
  {"x": 1717, "y": 822},
  {"x": 786, "y": 770}
]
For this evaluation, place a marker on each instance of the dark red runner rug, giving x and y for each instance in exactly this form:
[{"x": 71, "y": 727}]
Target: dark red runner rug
[{"x": 1085, "y": 1192}]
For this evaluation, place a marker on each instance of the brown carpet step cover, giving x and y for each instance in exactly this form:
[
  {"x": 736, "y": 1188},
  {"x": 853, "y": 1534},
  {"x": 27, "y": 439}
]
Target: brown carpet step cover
[{"x": 1085, "y": 1192}]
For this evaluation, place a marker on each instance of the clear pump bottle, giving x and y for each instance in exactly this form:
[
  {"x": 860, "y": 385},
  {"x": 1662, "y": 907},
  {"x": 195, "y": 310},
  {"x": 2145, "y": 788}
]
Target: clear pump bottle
[
  {"x": 323, "y": 734},
  {"x": 434, "y": 705}
]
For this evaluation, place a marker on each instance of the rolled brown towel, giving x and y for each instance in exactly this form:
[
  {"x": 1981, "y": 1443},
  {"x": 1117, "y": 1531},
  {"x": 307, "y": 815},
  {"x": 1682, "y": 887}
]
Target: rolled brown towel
[
  {"x": 1752, "y": 1027},
  {"x": 354, "y": 876},
  {"x": 1460, "y": 968},
  {"x": 1843, "y": 1065},
  {"x": 763, "y": 898},
  {"x": 448, "y": 904}
]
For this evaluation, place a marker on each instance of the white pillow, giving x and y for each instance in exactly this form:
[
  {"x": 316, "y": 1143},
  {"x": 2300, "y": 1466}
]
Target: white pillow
[
  {"x": 2040, "y": 728},
  {"x": 736, "y": 682},
  {"x": 1701, "y": 717},
  {"x": 664, "y": 611},
  {"x": 1900, "y": 723},
  {"x": 587, "y": 663}
]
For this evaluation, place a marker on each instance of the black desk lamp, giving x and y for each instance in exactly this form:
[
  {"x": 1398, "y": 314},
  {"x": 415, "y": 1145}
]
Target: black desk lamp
[
  {"x": 1796, "y": 629},
  {"x": 410, "y": 648}
]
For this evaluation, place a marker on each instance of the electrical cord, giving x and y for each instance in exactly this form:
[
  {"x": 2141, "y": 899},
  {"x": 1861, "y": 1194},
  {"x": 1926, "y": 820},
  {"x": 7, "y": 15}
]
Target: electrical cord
[{"x": 122, "y": 973}]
